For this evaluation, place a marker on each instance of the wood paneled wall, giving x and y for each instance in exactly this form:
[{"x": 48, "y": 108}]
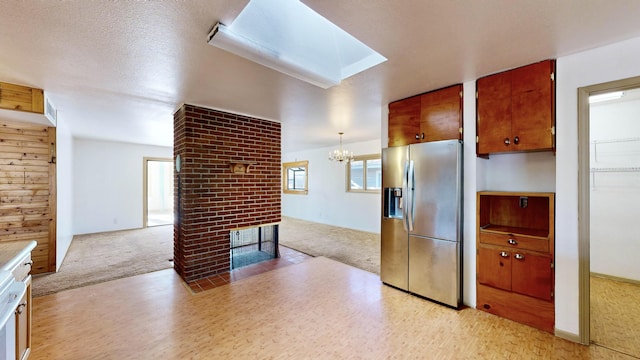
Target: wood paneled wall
[{"x": 28, "y": 189}]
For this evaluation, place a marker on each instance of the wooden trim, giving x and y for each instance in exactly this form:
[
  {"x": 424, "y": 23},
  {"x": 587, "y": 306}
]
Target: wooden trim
[
  {"x": 286, "y": 165},
  {"x": 584, "y": 216},
  {"x": 584, "y": 241},
  {"x": 53, "y": 204},
  {"x": 347, "y": 179},
  {"x": 616, "y": 278}
]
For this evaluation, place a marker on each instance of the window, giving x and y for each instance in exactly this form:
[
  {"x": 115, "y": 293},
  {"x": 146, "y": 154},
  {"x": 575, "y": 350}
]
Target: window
[
  {"x": 364, "y": 174},
  {"x": 294, "y": 177}
]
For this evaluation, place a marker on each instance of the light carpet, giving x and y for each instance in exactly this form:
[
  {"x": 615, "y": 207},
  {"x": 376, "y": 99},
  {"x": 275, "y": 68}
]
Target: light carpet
[
  {"x": 95, "y": 258},
  {"x": 356, "y": 248}
]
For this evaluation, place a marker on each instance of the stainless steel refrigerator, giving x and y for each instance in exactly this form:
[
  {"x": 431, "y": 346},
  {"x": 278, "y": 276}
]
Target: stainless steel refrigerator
[{"x": 421, "y": 235}]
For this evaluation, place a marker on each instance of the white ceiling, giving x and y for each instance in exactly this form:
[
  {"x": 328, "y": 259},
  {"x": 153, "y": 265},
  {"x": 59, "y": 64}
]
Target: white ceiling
[{"x": 118, "y": 70}]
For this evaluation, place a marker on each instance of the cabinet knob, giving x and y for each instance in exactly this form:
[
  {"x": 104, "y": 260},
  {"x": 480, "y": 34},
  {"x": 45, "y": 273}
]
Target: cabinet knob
[
  {"x": 504, "y": 254},
  {"x": 516, "y": 140},
  {"x": 30, "y": 263},
  {"x": 20, "y": 308},
  {"x": 422, "y": 136},
  {"x": 417, "y": 136},
  {"x": 507, "y": 141},
  {"x": 519, "y": 256},
  {"x": 512, "y": 242}
]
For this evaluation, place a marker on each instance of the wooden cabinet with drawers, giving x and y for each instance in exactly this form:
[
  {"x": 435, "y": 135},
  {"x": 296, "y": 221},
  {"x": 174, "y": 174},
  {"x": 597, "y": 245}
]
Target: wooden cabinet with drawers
[
  {"x": 432, "y": 116},
  {"x": 516, "y": 110},
  {"x": 515, "y": 256}
]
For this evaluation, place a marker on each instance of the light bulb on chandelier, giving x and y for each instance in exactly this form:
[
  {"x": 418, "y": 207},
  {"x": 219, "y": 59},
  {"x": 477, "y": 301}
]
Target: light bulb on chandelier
[{"x": 341, "y": 154}]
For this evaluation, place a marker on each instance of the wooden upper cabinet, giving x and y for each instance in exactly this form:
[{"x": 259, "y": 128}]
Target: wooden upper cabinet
[
  {"x": 404, "y": 121},
  {"x": 516, "y": 110},
  {"x": 22, "y": 98},
  {"x": 441, "y": 114},
  {"x": 433, "y": 116}
]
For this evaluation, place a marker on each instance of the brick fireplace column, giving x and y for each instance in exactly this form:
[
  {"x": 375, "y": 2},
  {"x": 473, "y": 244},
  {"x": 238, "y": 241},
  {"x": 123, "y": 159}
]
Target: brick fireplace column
[{"x": 230, "y": 178}]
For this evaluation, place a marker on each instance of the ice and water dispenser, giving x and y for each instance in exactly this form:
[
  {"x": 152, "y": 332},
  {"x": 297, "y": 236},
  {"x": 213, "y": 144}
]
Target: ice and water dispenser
[{"x": 393, "y": 203}]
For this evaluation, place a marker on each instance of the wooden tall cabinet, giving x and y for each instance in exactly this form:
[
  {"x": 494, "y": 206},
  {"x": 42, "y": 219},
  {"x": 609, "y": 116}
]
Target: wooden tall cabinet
[
  {"x": 516, "y": 110},
  {"x": 515, "y": 256},
  {"x": 432, "y": 116}
]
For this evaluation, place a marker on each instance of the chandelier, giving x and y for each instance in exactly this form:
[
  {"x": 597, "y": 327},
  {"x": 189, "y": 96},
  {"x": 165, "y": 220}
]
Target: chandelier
[{"x": 341, "y": 154}]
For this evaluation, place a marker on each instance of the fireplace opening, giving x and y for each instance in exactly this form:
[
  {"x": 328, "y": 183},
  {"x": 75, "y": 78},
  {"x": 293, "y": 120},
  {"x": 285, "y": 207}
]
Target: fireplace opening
[{"x": 253, "y": 245}]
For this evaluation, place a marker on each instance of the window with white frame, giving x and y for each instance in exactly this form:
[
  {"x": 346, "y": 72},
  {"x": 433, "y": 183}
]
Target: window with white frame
[{"x": 364, "y": 174}]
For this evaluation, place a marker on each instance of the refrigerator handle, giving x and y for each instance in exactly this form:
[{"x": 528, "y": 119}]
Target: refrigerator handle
[
  {"x": 407, "y": 202},
  {"x": 411, "y": 195}
]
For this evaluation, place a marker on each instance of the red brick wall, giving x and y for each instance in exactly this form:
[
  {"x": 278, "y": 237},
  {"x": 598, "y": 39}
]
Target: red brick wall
[{"x": 212, "y": 200}]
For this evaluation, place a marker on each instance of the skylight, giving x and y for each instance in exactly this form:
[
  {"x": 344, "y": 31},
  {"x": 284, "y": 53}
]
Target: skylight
[{"x": 288, "y": 36}]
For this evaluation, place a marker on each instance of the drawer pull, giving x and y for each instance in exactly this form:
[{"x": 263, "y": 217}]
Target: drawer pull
[
  {"x": 512, "y": 242},
  {"x": 519, "y": 256},
  {"x": 504, "y": 254},
  {"x": 30, "y": 263}
]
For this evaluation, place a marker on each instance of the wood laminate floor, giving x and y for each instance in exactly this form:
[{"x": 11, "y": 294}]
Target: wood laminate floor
[{"x": 316, "y": 309}]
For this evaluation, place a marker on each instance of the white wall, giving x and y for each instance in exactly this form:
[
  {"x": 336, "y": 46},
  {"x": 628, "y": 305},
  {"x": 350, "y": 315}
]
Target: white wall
[
  {"x": 328, "y": 202},
  {"x": 534, "y": 171},
  {"x": 615, "y": 196},
  {"x": 604, "y": 64},
  {"x": 108, "y": 188},
  {"x": 64, "y": 185}
]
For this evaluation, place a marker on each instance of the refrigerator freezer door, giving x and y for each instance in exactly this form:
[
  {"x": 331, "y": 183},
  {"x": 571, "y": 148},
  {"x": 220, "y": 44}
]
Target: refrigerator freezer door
[
  {"x": 393, "y": 166},
  {"x": 434, "y": 271},
  {"x": 436, "y": 192},
  {"x": 394, "y": 254},
  {"x": 394, "y": 250}
]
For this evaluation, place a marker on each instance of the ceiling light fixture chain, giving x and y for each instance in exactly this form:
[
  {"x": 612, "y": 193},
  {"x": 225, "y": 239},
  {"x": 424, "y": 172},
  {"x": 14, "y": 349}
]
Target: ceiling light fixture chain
[{"x": 341, "y": 154}]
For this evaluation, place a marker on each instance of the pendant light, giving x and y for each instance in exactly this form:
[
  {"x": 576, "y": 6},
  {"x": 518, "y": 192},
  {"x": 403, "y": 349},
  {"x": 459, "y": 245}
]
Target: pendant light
[{"x": 341, "y": 154}]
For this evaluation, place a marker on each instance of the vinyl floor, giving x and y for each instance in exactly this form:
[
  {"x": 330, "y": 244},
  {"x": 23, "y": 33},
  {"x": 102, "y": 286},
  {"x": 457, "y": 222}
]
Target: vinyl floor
[
  {"x": 314, "y": 309},
  {"x": 615, "y": 314}
]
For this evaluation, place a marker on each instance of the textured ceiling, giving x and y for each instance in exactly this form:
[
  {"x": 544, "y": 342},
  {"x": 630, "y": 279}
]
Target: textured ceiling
[{"x": 118, "y": 70}]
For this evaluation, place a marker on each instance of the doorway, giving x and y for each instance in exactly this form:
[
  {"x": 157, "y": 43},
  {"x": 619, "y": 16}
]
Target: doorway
[
  {"x": 158, "y": 192},
  {"x": 609, "y": 197}
]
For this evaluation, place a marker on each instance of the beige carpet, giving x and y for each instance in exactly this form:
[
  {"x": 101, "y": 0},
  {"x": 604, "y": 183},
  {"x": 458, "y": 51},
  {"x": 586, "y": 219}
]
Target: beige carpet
[
  {"x": 95, "y": 258},
  {"x": 352, "y": 247}
]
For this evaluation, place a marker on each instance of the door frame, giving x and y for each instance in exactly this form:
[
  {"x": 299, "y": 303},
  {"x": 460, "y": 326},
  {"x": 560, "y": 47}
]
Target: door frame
[
  {"x": 145, "y": 199},
  {"x": 584, "y": 241}
]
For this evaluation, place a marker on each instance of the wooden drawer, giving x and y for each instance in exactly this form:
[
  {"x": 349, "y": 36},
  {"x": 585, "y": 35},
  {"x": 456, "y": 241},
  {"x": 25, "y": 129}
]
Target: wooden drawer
[
  {"x": 24, "y": 267},
  {"x": 515, "y": 241}
]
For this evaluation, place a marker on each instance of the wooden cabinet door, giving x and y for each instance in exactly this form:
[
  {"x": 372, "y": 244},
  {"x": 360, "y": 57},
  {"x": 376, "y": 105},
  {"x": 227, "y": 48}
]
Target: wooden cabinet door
[
  {"x": 532, "y": 91},
  {"x": 441, "y": 114},
  {"x": 532, "y": 275},
  {"x": 494, "y": 268},
  {"x": 404, "y": 121},
  {"x": 494, "y": 113}
]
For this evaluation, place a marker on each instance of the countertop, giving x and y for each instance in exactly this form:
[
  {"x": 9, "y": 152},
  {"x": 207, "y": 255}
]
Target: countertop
[{"x": 11, "y": 252}]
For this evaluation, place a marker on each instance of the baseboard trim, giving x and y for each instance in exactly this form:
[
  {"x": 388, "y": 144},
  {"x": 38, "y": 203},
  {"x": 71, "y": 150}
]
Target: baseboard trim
[
  {"x": 616, "y": 278},
  {"x": 567, "y": 335}
]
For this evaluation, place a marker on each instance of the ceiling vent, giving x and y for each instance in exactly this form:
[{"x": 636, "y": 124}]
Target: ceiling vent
[{"x": 50, "y": 111}]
